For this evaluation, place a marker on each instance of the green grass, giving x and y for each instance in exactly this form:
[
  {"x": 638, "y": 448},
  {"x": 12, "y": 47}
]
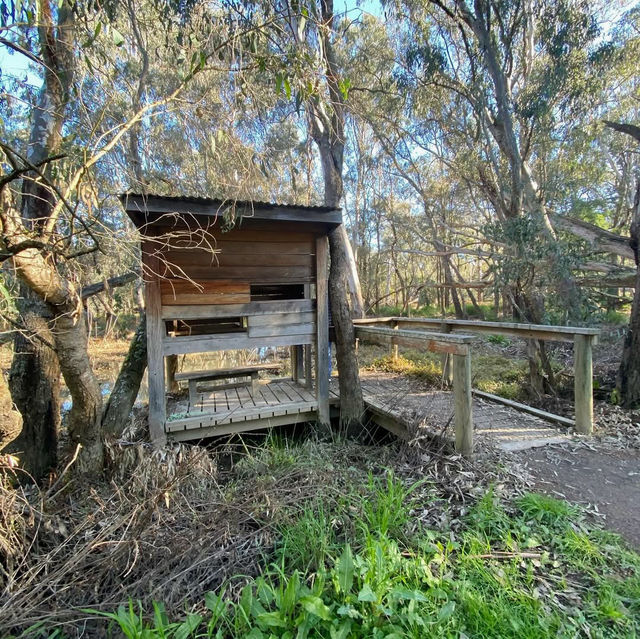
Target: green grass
[
  {"x": 496, "y": 374},
  {"x": 528, "y": 569},
  {"x": 351, "y": 559}
]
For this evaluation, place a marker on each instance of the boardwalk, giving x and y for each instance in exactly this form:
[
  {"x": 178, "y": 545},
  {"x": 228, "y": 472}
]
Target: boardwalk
[
  {"x": 418, "y": 411},
  {"x": 398, "y": 403}
]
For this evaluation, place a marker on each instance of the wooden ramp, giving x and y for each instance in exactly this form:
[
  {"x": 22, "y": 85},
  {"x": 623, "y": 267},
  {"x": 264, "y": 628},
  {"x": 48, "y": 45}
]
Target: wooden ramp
[{"x": 402, "y": 406}]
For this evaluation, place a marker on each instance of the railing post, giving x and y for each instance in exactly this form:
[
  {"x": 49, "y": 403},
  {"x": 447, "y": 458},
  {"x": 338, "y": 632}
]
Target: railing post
[
  {"x": 322, "y": 330},
  {"x": 394, "y": 347},
  {"x": 583, "y": 383},
  {"x": 447, "y": 367},
  {"x": 463, "y": 414}
]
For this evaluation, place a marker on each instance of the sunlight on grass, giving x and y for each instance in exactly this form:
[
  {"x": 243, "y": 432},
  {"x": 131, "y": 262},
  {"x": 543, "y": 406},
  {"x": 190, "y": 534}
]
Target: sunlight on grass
[{"x": 347, "y": 566}]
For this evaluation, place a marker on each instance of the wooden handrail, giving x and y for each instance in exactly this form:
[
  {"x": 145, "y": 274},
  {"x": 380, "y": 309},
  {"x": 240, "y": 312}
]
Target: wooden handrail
[
  {"x": 525, "y": 331},
  {"x": 456, "y": 346},
  {"x": 583, "y": 341}
]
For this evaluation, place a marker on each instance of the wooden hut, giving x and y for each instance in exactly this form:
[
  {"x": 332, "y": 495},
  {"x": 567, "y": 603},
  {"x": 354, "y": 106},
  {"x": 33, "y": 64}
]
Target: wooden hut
[{"x": 227, "y": 276}]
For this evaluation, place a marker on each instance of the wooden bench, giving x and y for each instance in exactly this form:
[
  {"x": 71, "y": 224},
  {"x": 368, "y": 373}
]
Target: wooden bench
[{"x": 195, "y": 377}]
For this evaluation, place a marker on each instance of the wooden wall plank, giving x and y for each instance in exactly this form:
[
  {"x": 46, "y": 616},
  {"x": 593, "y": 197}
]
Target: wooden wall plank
[
  {"x": 181, "y": 236},
  {"x": 253, "y": 274},
  {"x": 221, "y": 247},
  {"x": 206, "y": 311},
  {"x": 228, "y": 342},
  {"x": 266, "y": 332},
  {"x": 281, "y": 319},
  {"x": 184, "y": 292},
  {"x": 322, "y": 330}
]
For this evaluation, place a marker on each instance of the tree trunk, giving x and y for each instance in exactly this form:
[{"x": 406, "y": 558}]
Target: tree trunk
[
  {"x": 351, "y": 402},
  {"x": 125, "y": 390},
  {"x": 71, "y": 340},
  {"x": 628, "y": 382},
  {"x": 34, "y": 384},
  {"x": 326, "y": 122},
  {"x": 34, "y": 380}
]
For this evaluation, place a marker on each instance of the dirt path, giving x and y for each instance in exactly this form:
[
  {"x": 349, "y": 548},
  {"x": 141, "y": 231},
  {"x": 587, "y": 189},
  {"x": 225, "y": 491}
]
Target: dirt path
[{"x": 608, "y": 479}]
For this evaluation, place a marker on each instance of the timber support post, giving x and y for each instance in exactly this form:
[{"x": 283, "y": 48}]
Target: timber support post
[
  {"x": 322, "y": 328},
  {"x": 171, "y": 366},
  {"x": 463, "y": 413},
  {"x": 447, "y": 363},
  {"x": 583, "y": 383},
  {"x": 394, "y": 347},
  {"x": 155, "y": 356}
]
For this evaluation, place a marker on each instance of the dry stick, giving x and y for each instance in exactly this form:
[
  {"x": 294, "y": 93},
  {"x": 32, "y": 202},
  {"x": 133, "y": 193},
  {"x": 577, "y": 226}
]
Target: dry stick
[
  {"x": 48, "y": 496},
  {"x": 507, "y": 555}
]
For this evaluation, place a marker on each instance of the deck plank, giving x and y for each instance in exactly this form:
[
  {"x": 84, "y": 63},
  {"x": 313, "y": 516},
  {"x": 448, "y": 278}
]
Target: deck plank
[{"x": 271, "y": 400}]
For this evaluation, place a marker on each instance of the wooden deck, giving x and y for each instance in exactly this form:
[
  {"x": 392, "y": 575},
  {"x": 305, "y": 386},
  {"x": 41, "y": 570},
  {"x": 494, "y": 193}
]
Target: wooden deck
[
  {"x": 392, "y": 401},
  {"x": 240, "y": 408}
]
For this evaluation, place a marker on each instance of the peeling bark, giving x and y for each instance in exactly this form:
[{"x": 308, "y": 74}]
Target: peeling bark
[{"x": 327, "y": 129}]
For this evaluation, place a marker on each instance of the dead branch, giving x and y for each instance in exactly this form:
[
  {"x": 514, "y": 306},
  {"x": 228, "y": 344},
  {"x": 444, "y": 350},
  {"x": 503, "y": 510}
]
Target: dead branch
[{"x": 112, "y": 282}]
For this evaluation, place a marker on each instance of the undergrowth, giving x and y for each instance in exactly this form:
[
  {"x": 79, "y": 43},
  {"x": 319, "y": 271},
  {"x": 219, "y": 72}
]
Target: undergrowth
[
  {"x": 359, "y": 553},
  {"x": 491, "y": 373}
]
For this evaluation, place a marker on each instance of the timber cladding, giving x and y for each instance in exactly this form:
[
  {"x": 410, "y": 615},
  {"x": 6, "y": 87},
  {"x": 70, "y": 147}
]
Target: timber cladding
[{"x": 260, "y": 283}]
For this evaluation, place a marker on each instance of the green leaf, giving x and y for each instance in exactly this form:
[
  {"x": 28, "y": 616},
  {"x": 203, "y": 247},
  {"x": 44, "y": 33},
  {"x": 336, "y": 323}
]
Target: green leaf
[
  {"x": 447, "y": 611},
  {"x": 344, "y": 85},
  {"x": 366, "y": 594},
  {"x": 272, "y": 619},
  {"x": 287, "y": 88},
  {"x": 403, "y": 594},
  {"x": 291, "y": 593},
  {"x": 342, "y": 632},
  {"x": 118, "y": 38},
  {"x": 255, "y": 633},
  {"x": 316, "y": 607},
  {"x": 345, "y": 570},
  {"x": 188, "y": 626},
  {"x": 348, "y": 611}
]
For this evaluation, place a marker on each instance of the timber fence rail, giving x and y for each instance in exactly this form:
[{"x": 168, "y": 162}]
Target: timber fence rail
[
  {"x": 457, "y": 347},
  {"x": 583, "y": 340}
]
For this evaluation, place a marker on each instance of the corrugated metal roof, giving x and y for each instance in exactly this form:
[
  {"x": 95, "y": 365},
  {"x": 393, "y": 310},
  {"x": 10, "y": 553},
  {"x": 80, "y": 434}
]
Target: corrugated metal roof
[{"x": 206, "y": 201}]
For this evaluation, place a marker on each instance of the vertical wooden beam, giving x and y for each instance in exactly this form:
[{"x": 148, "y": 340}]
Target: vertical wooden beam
[
  {"x": 193, "y": 394},
  {"x": 394, "y": 347},
  {"x": 322, "y": 341},
  {"x": 171, "y": 366},
  {"x": 462, "y": 403},
  {"x": 583, "y": 383},
  {"x": 155, "y": 358},
  {"x": 447, "y": 363},
  {"x": 293, "y": 356},
  {"x": 307, "y": 365}
]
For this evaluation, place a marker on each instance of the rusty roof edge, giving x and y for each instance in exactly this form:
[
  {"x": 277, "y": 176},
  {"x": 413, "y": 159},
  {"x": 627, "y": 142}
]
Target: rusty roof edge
[{"x": 206, "y": 201}]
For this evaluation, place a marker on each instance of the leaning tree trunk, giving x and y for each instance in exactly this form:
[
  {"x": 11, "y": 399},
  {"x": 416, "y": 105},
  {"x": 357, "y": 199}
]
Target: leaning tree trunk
[
  {"x": 34, "y": 384},
  {"x": 34, "y": 380},
  {"x": 125, "y": 390},
  {"x": 628, "y": 382},
  {"x": 327, "y": 129},
  {"x": 83, "y": 423}
]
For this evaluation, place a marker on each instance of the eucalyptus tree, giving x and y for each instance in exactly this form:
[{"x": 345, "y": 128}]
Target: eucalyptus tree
[{"x": 53, "y": 185}]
